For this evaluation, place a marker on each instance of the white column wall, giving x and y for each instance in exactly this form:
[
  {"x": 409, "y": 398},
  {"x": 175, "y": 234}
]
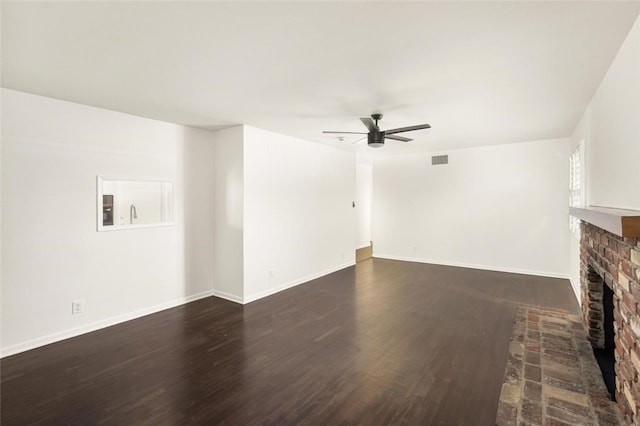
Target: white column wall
[{"x": 228, "y": 215}]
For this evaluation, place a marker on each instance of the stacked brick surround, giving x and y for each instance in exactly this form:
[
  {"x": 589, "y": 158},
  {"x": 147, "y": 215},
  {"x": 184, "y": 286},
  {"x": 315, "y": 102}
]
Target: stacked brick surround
[{"x": 616, "y": 260}]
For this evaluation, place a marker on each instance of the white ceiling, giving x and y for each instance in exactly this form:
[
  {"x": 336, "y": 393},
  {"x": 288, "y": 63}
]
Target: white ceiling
[{"x": 480, "y": 73}]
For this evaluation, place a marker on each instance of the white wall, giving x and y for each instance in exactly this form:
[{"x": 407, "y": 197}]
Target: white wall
[
  {"x": 364, "y": 195},
  {"x": 298, "y": 219},
  {"x": 611, "y": 133},
  {"x": 228, "y": 216},
  {"x": 612, "y": 125},
  {"x": 198, "y": 189},
  {"x": 500, "y": 207},
  {"x": 52, "y": 254}
]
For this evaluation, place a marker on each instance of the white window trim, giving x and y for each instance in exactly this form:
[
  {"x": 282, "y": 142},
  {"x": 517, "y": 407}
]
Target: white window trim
[{"x": 577, "y": 191}]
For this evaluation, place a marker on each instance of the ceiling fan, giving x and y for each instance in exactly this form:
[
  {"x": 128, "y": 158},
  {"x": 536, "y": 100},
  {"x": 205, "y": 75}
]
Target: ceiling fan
[{"x": 376, "y": 137}]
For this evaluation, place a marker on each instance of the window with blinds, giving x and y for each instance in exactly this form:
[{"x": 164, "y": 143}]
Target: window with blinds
[
  {"x": 576, "y": 198},
  {"x": 576, "y": 187}
]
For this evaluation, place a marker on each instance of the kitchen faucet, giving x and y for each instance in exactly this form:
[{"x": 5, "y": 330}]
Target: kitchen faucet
[{"x": 133, "y": 214}]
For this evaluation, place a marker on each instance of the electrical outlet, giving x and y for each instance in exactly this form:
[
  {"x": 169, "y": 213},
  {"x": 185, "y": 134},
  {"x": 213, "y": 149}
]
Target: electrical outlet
[
  {"x": 414, "y": 250},
  {"x": 77, "y": 306},
  {"x": 270, "y": 273}
]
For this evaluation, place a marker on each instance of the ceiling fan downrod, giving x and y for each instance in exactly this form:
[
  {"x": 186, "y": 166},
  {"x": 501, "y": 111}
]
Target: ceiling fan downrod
[{"x": 375, "y": 139}]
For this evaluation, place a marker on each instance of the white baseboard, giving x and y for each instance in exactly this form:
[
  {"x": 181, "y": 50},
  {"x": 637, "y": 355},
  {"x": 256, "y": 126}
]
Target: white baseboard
[
  {"x": 67, "y": 334},
  {"x": 227, "y": 296},
  {"x": 473, "y": 266},
  {"x": 576, "y": 291},
  {"x": 73, "y": 332},
  {"x": 269, "y": 292}
]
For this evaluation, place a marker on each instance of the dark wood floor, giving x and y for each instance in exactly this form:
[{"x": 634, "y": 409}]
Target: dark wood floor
[{"x": 384, "y": 342}]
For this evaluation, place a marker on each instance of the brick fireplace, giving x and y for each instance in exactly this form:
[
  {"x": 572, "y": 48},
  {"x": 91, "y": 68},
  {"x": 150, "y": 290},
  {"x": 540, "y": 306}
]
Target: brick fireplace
[{"x": 612, "y": 257}]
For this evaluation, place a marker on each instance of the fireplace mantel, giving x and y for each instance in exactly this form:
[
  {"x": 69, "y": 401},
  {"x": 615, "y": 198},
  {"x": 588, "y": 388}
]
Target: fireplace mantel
[{"x": 623, "y": 223}]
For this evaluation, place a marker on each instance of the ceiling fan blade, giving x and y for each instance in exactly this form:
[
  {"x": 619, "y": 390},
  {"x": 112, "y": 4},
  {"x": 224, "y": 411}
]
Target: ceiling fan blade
[
  {"x": 361, "y": 139},
  {"x": 350, "y": 133},
  {"x": 369, "y": 124},
  {"x": 407, "y": 129},
  {"x": 397, "y": 138}
]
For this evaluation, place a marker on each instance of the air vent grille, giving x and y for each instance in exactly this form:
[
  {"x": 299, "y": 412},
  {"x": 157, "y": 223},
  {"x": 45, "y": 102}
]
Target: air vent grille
[{"x": 439, "y": 159}]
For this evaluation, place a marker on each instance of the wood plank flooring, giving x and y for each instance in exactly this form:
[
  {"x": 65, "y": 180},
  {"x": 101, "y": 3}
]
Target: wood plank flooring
[{"x": 383, "y": 342}]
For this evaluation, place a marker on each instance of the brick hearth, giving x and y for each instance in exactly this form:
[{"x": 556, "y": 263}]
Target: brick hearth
[
  {"x": 616, "y": 261},
  {"x": 552, "y": 377}
]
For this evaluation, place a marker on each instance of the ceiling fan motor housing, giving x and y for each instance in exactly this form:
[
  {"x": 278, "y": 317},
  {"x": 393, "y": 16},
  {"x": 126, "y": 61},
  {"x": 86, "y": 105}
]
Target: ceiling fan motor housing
[{"x": 375, "y": 139}]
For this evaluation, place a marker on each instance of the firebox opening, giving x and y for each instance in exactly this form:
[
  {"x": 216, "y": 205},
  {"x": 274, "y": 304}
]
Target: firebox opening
[{"x": 606, "y": 356}]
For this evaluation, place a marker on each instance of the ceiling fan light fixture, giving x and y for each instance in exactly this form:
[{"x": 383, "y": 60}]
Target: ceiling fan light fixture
[{"x": 375, "y": 139}]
